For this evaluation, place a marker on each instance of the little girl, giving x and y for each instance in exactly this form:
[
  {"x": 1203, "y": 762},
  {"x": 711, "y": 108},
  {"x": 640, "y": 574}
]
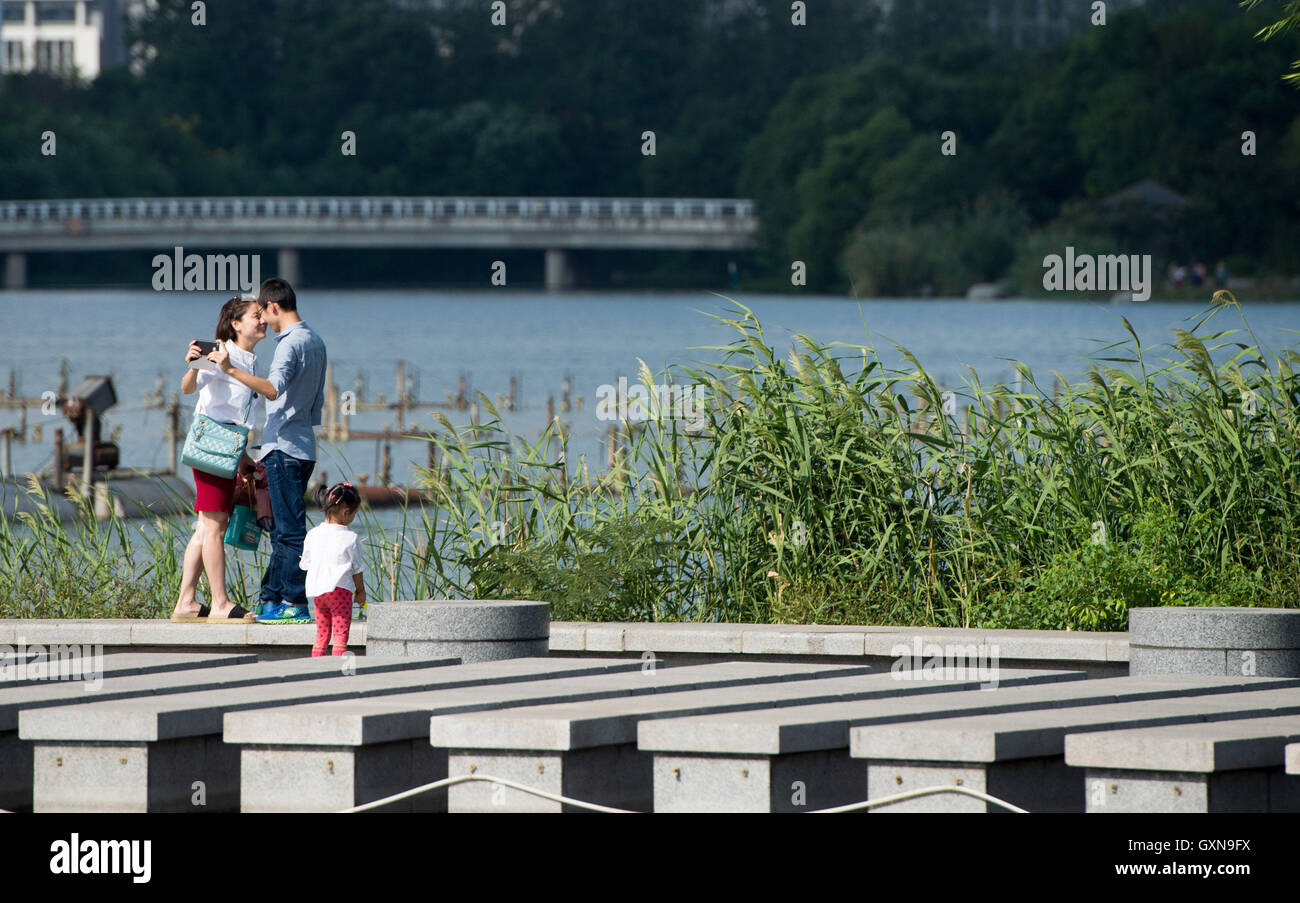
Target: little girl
[{"x": 331, "y": 556}]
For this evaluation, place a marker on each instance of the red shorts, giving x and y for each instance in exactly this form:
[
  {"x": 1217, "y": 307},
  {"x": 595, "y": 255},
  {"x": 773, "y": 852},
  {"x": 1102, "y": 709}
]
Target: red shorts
[{"x": 213, "y": 493}]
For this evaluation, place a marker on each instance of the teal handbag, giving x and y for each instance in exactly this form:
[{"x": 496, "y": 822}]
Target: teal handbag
[{"x": 215, "y": 447}]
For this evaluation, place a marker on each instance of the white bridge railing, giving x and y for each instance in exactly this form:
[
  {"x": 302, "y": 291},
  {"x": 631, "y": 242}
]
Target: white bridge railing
[{"x": 125, "y": 210}]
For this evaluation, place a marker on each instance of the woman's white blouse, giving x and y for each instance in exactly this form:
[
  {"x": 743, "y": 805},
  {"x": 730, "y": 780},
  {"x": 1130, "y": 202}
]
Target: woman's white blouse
[
  {"x": 331, "y": 554},
  {"x": 223, "y": 397}
]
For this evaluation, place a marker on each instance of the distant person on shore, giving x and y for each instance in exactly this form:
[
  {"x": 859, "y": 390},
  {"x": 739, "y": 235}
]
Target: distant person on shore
[
  {"x": 224, "y": 398},
  {"x": 331, "y": 556},
  {"x": 295, "y": 389}
]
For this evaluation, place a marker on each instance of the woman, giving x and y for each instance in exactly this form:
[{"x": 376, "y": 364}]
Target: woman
[{"x": 239, "y": 328}]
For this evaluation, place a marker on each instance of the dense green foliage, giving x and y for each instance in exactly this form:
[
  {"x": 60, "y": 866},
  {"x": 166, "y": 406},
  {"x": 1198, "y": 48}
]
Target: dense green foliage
[
  {"x": 833, "y": 127},
  {"x": 1040, "y": 142}
]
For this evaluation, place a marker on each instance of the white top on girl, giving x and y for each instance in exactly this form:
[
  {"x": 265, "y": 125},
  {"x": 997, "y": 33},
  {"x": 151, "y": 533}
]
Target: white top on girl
[
  {"x": 222, "y": 397},
  {"x": 331, "y": 554}
]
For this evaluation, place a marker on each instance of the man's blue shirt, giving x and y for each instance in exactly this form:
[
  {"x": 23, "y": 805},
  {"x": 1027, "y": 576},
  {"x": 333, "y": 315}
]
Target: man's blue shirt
[{"x": 298, "y": 375}]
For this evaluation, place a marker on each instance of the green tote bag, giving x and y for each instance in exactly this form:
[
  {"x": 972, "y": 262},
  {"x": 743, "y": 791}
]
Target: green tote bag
[{"x": 243, "y": 531}]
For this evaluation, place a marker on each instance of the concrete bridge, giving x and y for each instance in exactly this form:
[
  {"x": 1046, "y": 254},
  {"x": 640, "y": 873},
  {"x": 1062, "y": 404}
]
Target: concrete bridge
[{"x": 553, "y": 225}]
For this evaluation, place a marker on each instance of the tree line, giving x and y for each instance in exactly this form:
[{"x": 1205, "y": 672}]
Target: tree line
[{"x": 836, "y": 127}]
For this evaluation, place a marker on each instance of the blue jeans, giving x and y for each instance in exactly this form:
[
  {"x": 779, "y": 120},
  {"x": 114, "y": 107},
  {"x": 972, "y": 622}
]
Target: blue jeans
[{"x": 286, "y": 479}]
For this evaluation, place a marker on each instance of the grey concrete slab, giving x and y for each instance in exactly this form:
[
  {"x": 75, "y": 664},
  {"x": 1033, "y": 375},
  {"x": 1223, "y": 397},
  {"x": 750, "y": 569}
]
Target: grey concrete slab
[
  {"x": 352, "y": 728},
  {"x": 826, "y": 726},
  {"x": 35, "y": 694},
  {"x": 65, "y": 664},
  {"x": 1042, "y": 784},
  {"x": 16, "y": 757},
  {"x": 1030, "y": 734},
  {"x": 407, "y": 716},
  {"x": 565, "y": 737},
  {"x": 154, "y": 749},
  {"x": 799, "y": 782},
  {"x": 608, "y": 722},
  {"x": 1203, "y": 747},
  {"x": 990, "y": 750},
  {"x": 1245, "y": 790},
  {"x": 606, "y": 775},
  {"x": 706, "y": 749},
  {"x": 567, "y": 637}
]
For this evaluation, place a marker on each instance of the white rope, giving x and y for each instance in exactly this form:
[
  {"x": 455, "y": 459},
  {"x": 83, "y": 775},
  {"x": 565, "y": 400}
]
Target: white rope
[
  {"x": 447, "y": 782},
  {"x": 923, "y": 791},
  {"x": 555, "y": 797}
]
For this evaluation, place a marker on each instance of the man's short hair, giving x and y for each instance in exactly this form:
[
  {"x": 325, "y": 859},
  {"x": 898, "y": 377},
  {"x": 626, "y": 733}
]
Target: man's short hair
[{"x": 276, "y": 290}]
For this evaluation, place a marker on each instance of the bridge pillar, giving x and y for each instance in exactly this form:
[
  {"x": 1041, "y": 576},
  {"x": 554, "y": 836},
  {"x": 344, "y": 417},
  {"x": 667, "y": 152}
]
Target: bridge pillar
[
  {"x": 15, "y": 271},
  {"x": 558, "y": 276},
  {"x": 286, "y": 266}
]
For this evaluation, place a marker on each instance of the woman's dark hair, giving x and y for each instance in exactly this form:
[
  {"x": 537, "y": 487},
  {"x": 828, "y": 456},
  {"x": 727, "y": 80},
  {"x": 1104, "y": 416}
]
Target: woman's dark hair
[
  {"x": 232, "y": 310},
  {"x": 339, "y": 497}
]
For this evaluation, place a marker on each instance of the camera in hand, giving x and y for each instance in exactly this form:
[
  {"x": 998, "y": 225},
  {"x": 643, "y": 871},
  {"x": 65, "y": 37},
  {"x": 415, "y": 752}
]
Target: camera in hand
[{"x": 205, "y": 348}]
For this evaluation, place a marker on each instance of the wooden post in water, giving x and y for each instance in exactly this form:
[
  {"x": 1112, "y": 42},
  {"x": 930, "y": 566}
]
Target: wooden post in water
[
  {"x": 514, "y": 392},
  {"x": 173, "y": 431},
  {"x": 58, "y": 459},
  {"x": 331, "y": 403},
  {"x": 401, "y": 394},
  {"x": 88, "y": 448},
  {"x": 385, "y": 470},
  {"x": 63, "y": 377},
  {"x": 565, "y": 388},
  {"x": 6, "y": 436}
]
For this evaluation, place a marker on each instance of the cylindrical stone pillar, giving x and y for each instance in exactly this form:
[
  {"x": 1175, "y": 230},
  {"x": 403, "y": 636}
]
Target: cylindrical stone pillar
[
  {"x": 1238, "y": 642},
  {"x": 477, "y": 630}
]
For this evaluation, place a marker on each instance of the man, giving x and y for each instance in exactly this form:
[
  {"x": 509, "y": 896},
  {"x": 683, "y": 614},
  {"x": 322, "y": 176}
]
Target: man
[{"x": 295, "y": 393}]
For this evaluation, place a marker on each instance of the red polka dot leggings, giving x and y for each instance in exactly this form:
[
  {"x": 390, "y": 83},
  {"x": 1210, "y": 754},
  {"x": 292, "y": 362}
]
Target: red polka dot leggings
[{"x": 333, "y": 611}]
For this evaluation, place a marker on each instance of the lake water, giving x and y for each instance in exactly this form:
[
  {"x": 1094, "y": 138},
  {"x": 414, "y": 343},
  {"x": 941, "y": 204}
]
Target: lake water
[{"x": 593, "y": 338}]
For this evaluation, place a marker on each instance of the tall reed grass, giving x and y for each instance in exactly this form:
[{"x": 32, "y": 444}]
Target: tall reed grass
[{"x": 828, "y": 487}]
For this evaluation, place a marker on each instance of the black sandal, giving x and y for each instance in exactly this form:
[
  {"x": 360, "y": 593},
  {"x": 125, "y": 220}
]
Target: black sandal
[
  {"x": 237, "y": 615},
  {"x": 204, "y": 611}
]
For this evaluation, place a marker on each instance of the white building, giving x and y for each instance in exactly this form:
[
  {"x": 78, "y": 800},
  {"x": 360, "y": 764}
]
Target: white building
[{"x": 57, "y": 36}]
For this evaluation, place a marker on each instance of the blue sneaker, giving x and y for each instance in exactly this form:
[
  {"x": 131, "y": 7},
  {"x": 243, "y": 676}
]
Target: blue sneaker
[{"x": 285, "y": 614}]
